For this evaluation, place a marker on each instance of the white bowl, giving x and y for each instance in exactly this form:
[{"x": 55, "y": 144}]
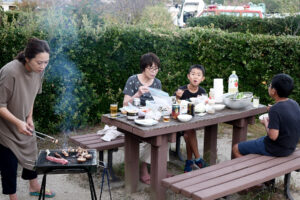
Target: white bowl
[
  {"x": 266, "y": 115},
  {"x": 184, "y": 117},
  {"x": 219, "y": 106}
]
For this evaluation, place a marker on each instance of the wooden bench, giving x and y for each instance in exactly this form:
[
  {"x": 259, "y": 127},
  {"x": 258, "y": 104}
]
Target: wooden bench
[
  {"x": 94, "y": 141},
  {"x": 233, "y": 176}
]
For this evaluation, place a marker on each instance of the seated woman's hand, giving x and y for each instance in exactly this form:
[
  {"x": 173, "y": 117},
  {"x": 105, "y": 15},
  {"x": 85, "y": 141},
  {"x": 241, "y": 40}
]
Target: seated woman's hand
[{"x": 142, "y": 90}]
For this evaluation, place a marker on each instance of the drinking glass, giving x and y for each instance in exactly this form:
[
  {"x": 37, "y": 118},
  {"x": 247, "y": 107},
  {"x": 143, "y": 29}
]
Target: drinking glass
[
  {"x": 255, "y": 102},
  {"x": 113, "y": 109}
]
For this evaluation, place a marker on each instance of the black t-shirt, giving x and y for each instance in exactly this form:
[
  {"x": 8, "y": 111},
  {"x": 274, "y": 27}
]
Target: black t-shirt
[
  {"x": 187, "y": 94},
  {"x": 285, "y": 117}
]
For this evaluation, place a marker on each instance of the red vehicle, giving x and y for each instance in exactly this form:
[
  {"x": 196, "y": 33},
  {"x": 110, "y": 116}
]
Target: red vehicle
[{"x": 249, "y": 10}]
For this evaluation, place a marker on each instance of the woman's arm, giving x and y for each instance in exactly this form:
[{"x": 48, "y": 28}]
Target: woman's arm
[
  {"x": 22, "y": 127},
  {"x": 138, "y": 94}
]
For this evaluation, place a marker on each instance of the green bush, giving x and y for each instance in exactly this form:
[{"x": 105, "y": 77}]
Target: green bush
[
  {"x": 89, "y": 64},
  {"x": 273, "y": 26}
]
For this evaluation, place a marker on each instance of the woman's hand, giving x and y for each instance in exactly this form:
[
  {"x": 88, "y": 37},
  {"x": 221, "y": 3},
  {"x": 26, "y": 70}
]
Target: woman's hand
[
  {"x": 30, "y": 123},
  {"x": 142, "y": 90},
  {"x": 24, "y": 128},
  {"x": 179, "y": 93}
]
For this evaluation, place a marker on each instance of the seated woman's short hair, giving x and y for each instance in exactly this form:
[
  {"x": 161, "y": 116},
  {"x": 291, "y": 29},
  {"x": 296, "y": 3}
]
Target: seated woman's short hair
[{"x": 149, "y": 59}]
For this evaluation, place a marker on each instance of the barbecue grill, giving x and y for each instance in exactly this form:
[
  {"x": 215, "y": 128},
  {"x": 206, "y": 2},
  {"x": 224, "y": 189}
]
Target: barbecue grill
[{"x": 44, "y": 166}]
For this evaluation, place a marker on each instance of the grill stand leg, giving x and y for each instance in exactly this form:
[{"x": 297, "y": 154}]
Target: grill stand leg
[
  {"x": 101, "y": 156},
  {"x": 287, "y": 180},
  {"x": 177, "y": 152},
  {"x": 92, "y": 187},
  {"x": 105, "y": 173},
  {"x": 109, "y": 164},
  {"x": 43, "y": 188}
]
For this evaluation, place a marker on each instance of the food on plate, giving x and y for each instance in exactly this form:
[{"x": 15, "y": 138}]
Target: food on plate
[
  {"x": 70, "y": 149},
  {"x": 64, "y": 153},
  {"x": 81, "y": 159},
  {"x": 57, "y": 155},
  {"x": 88, "y": 156},
  {"x": 56, "y": 160},
  {"x": 55, "y": 141}
]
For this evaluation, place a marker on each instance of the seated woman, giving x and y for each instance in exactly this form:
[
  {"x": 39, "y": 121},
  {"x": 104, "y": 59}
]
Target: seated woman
[{"x": 137, "y": 87}]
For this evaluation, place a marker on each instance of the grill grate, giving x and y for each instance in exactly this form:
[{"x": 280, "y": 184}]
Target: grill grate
[{"x": 43, "y": 165}]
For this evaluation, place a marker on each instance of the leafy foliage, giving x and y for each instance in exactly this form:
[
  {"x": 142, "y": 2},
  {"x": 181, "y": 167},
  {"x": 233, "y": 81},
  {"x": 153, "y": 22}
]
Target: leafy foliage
[
  {"x": 90, "y": 63},
  {"x": 273, "y": 26}
]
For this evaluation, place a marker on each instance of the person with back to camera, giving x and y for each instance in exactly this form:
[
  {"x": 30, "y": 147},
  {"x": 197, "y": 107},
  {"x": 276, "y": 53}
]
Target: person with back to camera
[
  {"x": 137, "y": 87},
  {"x": 196, "y": 76},
  {"x": 282, "y": 125},
  {"x": 20, "y": 82}
]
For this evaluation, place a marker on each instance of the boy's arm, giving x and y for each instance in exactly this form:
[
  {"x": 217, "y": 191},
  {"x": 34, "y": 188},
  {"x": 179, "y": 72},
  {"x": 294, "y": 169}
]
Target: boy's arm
[{"x": 272, "y": 133}]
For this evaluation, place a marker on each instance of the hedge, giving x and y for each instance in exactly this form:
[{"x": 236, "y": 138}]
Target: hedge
[
  {"x": 89, "y": 66},
  {"x": 272, "y": 26}
]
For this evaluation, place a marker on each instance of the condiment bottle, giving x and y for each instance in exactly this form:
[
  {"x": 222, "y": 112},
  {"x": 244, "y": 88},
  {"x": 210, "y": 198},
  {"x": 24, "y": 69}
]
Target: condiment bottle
[
  {"x": 212, "y": 93},
  {"x": 233, "y": 83}
]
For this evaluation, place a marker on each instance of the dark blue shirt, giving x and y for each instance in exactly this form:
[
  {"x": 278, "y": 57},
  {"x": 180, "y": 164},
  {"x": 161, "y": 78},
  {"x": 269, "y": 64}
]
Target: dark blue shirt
[{"x": 285, "y": 117}]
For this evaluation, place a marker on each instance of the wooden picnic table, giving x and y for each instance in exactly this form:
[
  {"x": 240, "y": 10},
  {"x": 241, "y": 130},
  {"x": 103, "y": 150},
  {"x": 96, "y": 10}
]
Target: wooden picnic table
[{"x": 159, "y": 134}]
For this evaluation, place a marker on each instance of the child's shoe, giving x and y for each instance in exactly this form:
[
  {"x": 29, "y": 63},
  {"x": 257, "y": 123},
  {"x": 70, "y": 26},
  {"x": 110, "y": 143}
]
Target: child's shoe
[
  {"x": 188, "y": 166},
  {"x": 200, "y": 163}
]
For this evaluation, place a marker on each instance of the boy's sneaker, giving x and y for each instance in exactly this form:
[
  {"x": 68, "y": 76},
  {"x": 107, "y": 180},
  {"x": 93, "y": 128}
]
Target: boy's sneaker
[
  {"x": 188, "y": 166},
  {"x": 200, "y": 163}
]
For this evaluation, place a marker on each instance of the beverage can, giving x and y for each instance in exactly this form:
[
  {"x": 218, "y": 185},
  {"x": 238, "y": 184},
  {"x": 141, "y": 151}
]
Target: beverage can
[
  {"x": 173, "y": 99},
  {"x": 175, "y": 110},
  {"x": 191, "y": 109},
  {"x": 137, "y": 102}
]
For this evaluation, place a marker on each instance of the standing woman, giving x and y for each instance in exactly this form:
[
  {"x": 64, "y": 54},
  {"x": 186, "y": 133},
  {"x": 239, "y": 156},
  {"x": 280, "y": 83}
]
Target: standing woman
[
  {"x": 20, "y": 82},
  {"x": 137, "y": 87}
]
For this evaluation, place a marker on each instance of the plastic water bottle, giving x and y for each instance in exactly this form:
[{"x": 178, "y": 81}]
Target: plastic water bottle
[{"x": 233, "y": 83}]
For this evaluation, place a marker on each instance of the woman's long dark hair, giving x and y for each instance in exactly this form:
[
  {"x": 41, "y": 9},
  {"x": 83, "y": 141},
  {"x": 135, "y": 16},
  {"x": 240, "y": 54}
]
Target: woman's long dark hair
[{"x": 33, "y": 47}]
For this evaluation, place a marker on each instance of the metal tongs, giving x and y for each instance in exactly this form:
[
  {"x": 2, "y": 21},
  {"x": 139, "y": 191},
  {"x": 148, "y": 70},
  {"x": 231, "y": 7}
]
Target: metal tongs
[{"x": 43, "y": 136}]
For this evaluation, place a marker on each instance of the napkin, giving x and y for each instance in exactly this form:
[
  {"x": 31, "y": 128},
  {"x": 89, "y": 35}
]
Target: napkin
[{"x": 109, "y": 133}]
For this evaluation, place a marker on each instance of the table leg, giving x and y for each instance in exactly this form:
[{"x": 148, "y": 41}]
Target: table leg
[
  {"x": 239, "y": 132},
  {"x": 159, "y": 168},
  {"x": 210, "y": 143},
  {"x": 131, "y": 163}
]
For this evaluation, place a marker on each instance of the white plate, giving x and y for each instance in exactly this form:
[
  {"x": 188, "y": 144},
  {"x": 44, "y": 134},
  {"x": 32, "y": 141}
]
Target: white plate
[{"x": 145, "y": 122}]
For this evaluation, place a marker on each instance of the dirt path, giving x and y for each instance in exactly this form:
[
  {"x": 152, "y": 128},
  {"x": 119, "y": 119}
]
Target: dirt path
[{"x": 75, "y": 186}]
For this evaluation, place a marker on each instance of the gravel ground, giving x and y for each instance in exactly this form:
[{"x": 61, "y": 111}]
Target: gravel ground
[{"x": 75, "y": 186}]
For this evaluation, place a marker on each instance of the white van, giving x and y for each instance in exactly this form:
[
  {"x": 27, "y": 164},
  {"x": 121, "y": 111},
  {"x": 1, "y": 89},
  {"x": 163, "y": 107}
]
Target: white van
[{"x": 188, "y": 9}]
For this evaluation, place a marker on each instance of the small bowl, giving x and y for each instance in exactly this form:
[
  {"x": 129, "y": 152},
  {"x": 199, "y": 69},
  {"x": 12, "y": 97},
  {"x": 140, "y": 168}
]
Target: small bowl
[
  {"x": 184, "y": 117},
  {"x": 219, "y": 107}
]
